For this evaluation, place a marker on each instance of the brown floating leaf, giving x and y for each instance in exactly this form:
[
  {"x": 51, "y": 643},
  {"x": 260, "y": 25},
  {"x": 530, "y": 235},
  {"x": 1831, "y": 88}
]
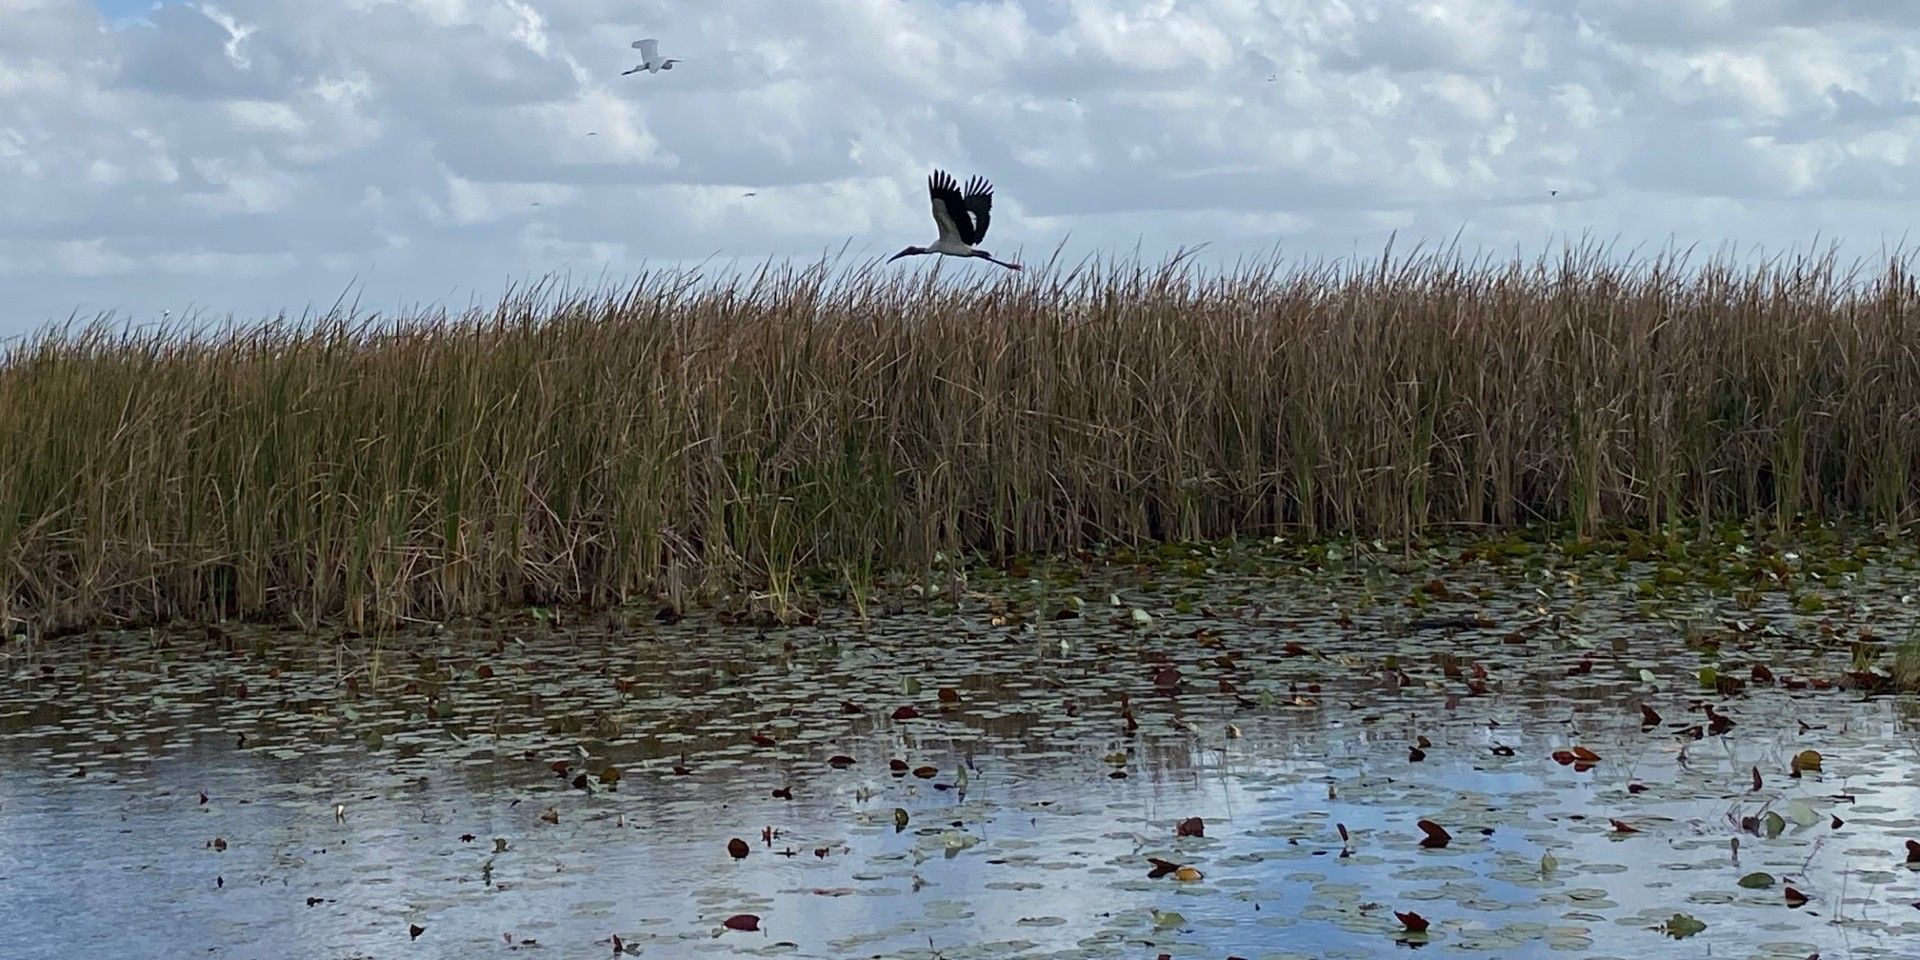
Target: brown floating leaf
[
  {"x": 414, "y": 931},
  {"x": 926, "y": 773},
  {"x": 1636, "y": 788},
  {"x": 1166, "y": 678},
  {"x": 1422, "y": 742},
  {"x": 906, "y": 712},
  {"x": 949, "y": 695},
  {"x": 1187, "y": 875},
  {"x": 1585, "y": 755},
  {"x": 1756, "y": 779},
  {"x": 741, "y": 921},
  {"x": 738, "y": 849},
  {"x": 1502, "y": 750},
  {"x": 783, "y": 793},
  {"x": 551, "y": 816},
  {"x": 1190, "y": 827},
  {"x": 1343, "y": 832},
  {"x": 1436, "y": 835},
  {"x": 897, "y": 765},
  {"x": 1415, "y": 754},
  {"x": 580, "y": 781},
  {"x": 1563, "y": 757},
  {"x": 1648, "y": 718},
  {"x": 610, "y": 775},
  {"x": 1621, "y": 827},
  {"x": 840, "y": 760},
  {"x": 1795, "y": 898},
  {"x": 219, "y": 844},
  {"x": 1761, "y": 674},
  {"x": 1160, "y": 868},
  {"x": 1913, "y": 851},
  {"x": 1414, "y": 922}
]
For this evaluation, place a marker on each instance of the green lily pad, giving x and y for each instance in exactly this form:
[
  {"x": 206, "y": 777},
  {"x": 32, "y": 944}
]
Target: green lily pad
[{"x": 1681, "y": 926}]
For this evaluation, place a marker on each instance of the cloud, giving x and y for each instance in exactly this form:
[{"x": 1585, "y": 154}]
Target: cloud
[{"x": 258, "y": 155}]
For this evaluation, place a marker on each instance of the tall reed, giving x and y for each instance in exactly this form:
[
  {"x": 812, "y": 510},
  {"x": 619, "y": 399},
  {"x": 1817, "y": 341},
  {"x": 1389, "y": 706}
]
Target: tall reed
[{"x": 689, "y": 433}]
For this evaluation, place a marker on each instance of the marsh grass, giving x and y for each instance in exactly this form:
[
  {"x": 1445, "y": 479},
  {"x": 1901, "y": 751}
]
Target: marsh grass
[{"x": 687, "y": 436}]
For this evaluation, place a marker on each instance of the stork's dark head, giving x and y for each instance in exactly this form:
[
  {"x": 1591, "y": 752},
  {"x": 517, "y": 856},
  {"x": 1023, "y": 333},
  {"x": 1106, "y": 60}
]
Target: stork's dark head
[{"x": 908, "y": 252}]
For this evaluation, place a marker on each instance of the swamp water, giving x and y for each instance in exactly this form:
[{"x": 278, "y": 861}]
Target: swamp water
[{"x": 977, "y": 781}]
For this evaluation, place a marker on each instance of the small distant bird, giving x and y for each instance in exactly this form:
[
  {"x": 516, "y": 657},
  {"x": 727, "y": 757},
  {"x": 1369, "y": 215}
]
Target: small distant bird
[
  {"x": 961, "y": 217},
  {"x": 1553, "y": 193},
  {"x": 750, "y": 193},
  {"x": 650, "y": 57},
  {"x": 595, "y": 133}
]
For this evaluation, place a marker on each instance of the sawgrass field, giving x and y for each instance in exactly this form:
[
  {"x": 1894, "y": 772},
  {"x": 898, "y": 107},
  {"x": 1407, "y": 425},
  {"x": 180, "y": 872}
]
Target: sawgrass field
[{"x": 760, "y": 434}]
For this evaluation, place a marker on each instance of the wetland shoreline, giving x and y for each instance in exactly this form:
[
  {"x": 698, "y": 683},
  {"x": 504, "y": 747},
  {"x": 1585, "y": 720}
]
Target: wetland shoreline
[{"x": 689, "y": 438}]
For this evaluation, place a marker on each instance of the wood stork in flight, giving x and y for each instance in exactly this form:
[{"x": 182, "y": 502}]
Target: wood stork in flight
[
  {"x": 650, "y": 57},
  {"x": 961, "y": 217}
]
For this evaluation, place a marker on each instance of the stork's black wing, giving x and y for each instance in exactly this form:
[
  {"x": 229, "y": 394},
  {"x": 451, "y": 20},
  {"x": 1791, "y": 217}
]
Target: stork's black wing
[
  {"x": 979, "y": 201},
  {"x": 950, "y": 210}
]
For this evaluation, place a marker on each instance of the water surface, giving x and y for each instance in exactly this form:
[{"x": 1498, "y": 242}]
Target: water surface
[{"x": 246, "y": 792}]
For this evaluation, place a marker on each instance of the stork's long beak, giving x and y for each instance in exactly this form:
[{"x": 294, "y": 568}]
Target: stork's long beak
[{"x": 908, "y": 251}]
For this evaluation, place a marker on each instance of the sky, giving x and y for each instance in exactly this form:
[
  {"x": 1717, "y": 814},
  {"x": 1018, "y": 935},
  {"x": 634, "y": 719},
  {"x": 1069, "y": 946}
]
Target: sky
[{"x": 249, "y": 157}]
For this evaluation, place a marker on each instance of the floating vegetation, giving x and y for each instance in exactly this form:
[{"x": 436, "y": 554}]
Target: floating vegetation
[{"x": 938, "y": 781}]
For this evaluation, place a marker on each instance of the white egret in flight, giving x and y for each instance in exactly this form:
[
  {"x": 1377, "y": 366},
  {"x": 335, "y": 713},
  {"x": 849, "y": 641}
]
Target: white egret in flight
[{"x": 650, "y": 57}]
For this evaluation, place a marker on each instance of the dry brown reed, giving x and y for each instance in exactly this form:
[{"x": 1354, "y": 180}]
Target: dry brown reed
[{"x": 685, "y": 434}]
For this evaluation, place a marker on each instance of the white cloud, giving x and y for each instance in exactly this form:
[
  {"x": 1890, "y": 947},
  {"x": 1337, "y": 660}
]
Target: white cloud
[{"x": 258, "y": 155}]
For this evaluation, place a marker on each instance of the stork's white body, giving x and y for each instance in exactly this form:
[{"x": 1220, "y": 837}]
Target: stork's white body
[{"x": 950, "y": 246}]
